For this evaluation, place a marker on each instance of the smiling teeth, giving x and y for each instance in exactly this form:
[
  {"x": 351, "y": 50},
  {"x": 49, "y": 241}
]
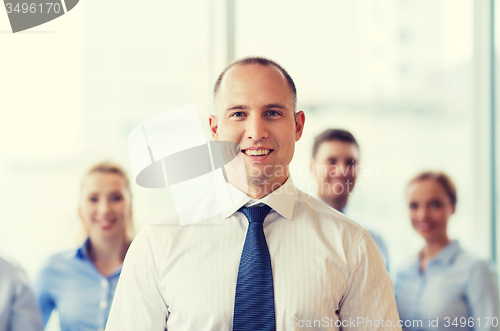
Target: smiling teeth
[{"x": 257, "y": 152}]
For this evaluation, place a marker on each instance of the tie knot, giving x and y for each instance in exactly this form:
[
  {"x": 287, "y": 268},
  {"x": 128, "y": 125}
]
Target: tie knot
[{"x": 256, "y": 214}]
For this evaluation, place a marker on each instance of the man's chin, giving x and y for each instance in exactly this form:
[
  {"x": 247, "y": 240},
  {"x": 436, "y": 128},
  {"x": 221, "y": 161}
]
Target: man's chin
[
  {"x": 329, "y": 196},
  {"x": 259, "y": 180}
]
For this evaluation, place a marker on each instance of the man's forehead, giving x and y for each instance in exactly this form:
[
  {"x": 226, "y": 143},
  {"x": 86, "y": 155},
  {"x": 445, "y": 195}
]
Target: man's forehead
[
  {"x": 332, "y": 148},
  {"x": 244, "y": 74},
  {"x": 243, "y": 77}
]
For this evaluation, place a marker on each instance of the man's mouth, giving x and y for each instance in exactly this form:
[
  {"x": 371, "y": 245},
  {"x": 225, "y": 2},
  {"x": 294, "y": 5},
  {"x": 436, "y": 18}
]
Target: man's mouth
[{"x": 257, "y": 152}]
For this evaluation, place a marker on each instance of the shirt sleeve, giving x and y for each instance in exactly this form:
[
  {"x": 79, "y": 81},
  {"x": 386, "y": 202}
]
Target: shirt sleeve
[
  {"x": 482, "y": 297},
  {"x": 138, "y": 303},
  {"x": 382, "y": 247},
  {"x": 43, "y": 295},
  {"x": 25, "y": 314},
  {"x": 369, "y": 302}
]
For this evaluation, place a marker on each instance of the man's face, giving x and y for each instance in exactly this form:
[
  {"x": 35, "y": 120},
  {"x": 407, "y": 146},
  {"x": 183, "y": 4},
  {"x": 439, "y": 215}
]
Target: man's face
[
  {"x": 254, "y": 108},
  {"x": 335, "y": 168}
]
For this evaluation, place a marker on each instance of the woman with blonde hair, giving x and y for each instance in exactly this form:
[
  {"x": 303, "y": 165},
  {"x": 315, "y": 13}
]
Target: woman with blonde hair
[
  {"x": 443, "y": 287},
  {"x": 80, "y": 284}
]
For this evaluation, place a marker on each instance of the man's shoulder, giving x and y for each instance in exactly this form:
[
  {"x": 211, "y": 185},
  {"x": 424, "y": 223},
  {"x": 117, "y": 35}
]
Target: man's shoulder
[
  {"x": 8, "y": 266},
  {"x": 158, "y": 228},
  {"x": 324, "y": 212},
  {"x": 11, "y": 271},
  {"x": 333, "y": 225},
  {"x": 166, "y": 229},
  {"x": 171, "y": 223}
]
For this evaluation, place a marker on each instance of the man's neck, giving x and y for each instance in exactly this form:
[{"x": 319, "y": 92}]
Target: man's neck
[
  {"x": 338, "y": 203},
  {"x": 260, "y": 190}
]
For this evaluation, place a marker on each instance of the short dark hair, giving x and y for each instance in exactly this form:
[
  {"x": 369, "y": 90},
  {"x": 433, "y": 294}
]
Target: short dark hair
[
  {"x": 441, "y": 178},
  {"x": 332, "y": 135},
  {"x": 263, "y": 62}
]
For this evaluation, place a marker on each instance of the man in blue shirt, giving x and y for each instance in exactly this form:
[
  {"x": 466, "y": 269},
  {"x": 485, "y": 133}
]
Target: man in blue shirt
[
  {"x": 18, "y": 308},
  {"x": 334, "y": 164}
]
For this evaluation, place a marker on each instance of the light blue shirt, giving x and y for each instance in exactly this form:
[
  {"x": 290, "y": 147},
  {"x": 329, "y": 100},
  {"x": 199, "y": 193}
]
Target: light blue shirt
[
  {"x": 70, "y": 283},
  {"x": 454, "y": 285},
  {"x": 18, "y": 308}
]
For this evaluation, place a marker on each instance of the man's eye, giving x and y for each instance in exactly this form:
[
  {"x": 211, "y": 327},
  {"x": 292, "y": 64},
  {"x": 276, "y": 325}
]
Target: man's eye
[
  {"x": 93, "y": 199},
  {"x": 273, "y": 113},
  {"x": 238, "y": 114},
  {"x": 413, "y": 206}
]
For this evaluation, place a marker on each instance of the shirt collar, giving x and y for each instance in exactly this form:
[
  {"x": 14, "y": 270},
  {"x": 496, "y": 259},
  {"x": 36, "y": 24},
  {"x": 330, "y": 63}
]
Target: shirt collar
[
  {"x": 446, "y": 256},
  {"x": 281, "y": 200},
  {"x": 448, "y": 253},
  {"x": 82, "y": 252}
]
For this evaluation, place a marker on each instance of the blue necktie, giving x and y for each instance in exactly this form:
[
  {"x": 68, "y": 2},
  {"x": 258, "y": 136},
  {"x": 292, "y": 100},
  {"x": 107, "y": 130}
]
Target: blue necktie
[{"x": 254, "y": 301}]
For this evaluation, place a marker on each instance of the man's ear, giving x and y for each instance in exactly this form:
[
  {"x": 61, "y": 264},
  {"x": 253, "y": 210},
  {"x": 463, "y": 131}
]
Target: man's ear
[
  {"x": 212, "y": 121},
  {"x": 300, "y": 119}
]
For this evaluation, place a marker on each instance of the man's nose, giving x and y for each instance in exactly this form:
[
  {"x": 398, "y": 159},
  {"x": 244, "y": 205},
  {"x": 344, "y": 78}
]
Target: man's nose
[
  {"x": 256, "y": 128},
  {"x": 338, "y": 170},
  {"x": 343, "y": 170}
]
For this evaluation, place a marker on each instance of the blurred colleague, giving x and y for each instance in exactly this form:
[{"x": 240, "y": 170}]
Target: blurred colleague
[
  {"x": 444, "y": 287},
  {"x": 80, "y": 284},
  {"x": 18, "y": 307},
  {"x": 277, "y": 259},
  {"x": 334, "y": 164}
]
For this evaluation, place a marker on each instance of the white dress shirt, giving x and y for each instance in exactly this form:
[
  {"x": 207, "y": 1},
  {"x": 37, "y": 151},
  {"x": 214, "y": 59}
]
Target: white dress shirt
[
  {"x": 379, "y": 240},
  {"x": 326, "y": 271}
]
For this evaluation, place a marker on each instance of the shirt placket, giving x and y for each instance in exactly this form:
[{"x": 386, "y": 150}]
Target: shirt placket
[
  {"x": 422, "y": 282},
  {"x": 104, "y": 303}
]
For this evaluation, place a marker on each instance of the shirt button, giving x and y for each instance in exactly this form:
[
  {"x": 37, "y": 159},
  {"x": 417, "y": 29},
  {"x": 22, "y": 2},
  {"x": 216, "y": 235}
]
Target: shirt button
[
  {"x": 104, "y": 283},
  {"x": 103, "y": 304}
]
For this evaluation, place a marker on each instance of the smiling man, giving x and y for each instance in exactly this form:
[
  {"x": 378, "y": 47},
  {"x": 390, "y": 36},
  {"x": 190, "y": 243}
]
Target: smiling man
[
  {"x": 255, "y": 102},
  {"x": 278, "y": 259},
  {"x": 334, "y": 164}
]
